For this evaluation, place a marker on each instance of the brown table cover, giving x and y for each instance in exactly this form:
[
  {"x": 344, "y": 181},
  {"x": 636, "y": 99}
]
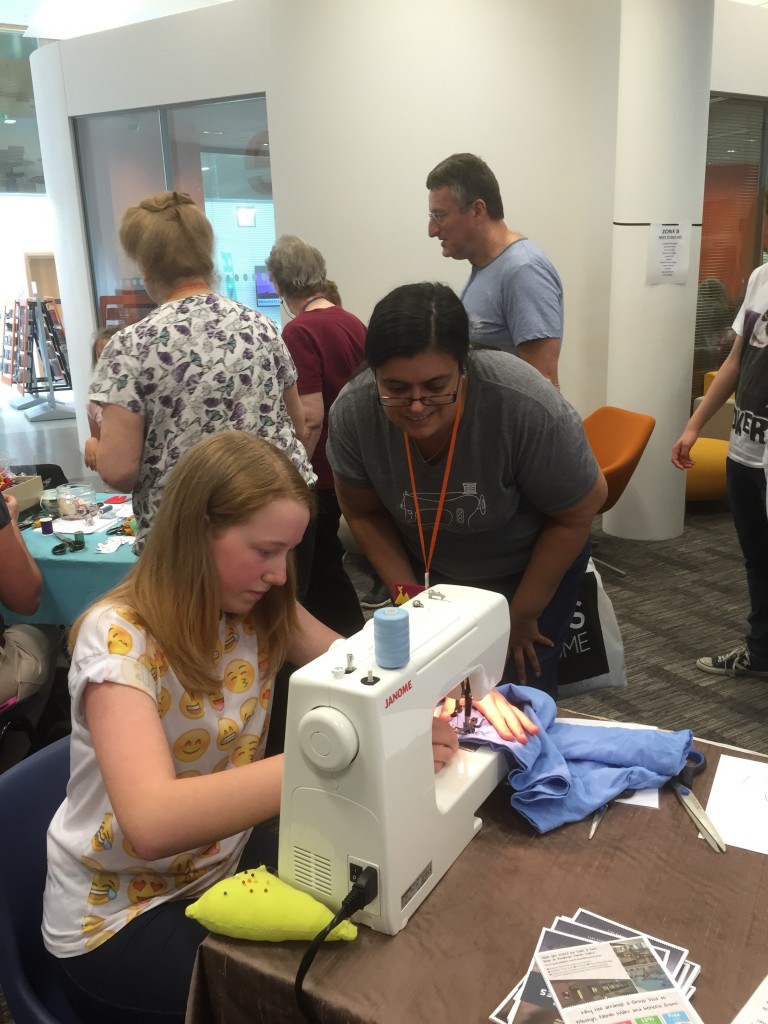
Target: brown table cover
[{"x": 474, "y": 936}]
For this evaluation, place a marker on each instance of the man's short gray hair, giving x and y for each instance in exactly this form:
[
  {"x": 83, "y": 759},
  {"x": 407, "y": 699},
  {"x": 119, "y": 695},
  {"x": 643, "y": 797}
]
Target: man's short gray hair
[{"x": 469, "y": 178}]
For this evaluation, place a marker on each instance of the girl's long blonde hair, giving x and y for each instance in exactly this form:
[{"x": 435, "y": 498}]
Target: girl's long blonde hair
[{"x": 173, "y": 589}]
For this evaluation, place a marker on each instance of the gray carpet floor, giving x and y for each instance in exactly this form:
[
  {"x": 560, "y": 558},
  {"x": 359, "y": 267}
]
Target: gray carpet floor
[{"x": 681, "y": 599}]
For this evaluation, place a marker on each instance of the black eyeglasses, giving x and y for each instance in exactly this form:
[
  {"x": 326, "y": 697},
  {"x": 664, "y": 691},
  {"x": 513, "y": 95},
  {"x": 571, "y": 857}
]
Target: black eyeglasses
[{"x": 402, "y": 402}]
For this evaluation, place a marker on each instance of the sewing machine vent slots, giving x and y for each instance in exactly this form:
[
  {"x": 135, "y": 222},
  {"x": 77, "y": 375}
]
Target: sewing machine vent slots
[
  {"x": 313, "y": 872},
  {"x": 358, "y": 783}
]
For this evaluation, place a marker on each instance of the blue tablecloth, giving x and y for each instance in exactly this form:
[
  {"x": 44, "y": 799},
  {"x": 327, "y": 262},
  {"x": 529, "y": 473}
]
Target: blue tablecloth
[{"x": 73, "y": 581}]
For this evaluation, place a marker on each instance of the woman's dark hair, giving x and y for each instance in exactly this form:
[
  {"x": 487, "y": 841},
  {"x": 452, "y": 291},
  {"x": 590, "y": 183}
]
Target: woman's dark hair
[{"x": 414, "y": 318}]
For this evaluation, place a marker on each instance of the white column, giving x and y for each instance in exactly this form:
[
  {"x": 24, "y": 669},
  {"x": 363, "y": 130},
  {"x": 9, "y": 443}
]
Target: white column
[{"x": 663, "y": 107}]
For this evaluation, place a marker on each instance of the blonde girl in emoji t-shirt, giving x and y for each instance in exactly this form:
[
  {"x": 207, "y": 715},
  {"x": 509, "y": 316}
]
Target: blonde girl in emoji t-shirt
[{"x": 171, "y": 684}]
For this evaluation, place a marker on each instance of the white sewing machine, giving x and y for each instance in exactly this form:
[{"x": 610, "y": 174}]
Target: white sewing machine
[{"x": 359, "y": 787}]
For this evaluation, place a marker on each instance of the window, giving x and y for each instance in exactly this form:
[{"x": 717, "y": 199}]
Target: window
[
  {"x": 734, "y": 235},
  {"x": 21, "y": 167},
  {"x": 218, "y": 152}
]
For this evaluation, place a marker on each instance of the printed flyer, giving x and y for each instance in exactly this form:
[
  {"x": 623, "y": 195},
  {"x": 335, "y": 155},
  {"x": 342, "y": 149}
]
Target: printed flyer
[{"x": 617, "y": 982}]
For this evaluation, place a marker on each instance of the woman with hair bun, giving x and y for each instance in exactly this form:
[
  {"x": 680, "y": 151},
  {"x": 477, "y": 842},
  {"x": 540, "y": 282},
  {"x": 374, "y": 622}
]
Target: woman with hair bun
[{"x": 198, "y": 364}]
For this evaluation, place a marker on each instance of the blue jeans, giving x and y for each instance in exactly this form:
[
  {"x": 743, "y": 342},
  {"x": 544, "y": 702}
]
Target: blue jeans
[
  {"x": 746, "y": 495},
  {"x": 143, "y": 973}
]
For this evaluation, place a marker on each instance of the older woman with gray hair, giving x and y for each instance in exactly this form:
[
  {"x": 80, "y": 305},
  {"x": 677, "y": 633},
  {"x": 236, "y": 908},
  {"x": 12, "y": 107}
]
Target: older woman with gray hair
[{"x": 326, "y": 343}]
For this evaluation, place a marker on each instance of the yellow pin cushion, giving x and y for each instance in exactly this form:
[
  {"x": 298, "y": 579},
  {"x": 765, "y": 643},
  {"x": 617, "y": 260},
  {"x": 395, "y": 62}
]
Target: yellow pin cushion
[{"x": 258, "y": 905}]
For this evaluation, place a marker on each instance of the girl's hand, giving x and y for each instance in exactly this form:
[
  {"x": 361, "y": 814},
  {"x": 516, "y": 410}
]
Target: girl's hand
[
  {"x": 681, "y": 450},
  {"x": 445, "y": 743},
  {"x": 508, "y": 720}
]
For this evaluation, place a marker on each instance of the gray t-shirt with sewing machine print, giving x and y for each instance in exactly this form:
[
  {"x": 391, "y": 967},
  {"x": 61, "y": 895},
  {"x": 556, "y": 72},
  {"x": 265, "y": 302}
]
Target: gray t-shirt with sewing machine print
[{"x": 520, "y": 455}]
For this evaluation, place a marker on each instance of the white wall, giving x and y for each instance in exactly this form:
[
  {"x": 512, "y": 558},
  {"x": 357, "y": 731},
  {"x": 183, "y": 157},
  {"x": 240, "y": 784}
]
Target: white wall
[
  {"x": 363, "y": 100},
  {"x": 25, "y": 226},
  {"x": 739, "y": 62}
]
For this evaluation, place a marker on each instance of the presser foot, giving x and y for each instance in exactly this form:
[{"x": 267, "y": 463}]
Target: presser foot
[{"x": 463, "y": 727}]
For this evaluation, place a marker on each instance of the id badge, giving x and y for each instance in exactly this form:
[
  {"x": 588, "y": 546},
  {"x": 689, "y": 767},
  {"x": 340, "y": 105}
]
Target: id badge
[{"x": 405, "y": 591}]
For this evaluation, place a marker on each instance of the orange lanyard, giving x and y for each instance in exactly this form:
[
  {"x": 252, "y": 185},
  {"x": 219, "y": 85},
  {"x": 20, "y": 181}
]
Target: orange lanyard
[{"x": 428, "y": 558}]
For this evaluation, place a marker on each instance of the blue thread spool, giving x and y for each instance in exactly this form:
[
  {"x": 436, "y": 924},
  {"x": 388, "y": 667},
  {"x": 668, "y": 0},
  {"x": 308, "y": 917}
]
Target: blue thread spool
[{"x": 391, "y": 637}]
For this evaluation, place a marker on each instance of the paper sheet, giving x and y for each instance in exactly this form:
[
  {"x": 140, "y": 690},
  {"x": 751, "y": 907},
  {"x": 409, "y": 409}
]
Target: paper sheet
[
  {"x": 614, "y": 983},
  {"x": 738, "y": 803},
  {"x": 755, "y": 1010}
]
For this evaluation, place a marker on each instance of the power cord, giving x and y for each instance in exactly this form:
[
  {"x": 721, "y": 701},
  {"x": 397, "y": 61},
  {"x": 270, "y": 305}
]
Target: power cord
[{"x": 364, "y": 891}]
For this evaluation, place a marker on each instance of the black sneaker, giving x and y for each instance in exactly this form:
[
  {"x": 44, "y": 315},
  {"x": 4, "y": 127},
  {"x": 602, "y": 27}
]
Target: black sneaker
[
  {"x": 377, "y": 596},
  {"x": 736, "y": 662}
]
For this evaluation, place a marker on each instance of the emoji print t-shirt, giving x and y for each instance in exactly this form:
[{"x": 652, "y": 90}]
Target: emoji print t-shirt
[{"x": 96, "y": 882}]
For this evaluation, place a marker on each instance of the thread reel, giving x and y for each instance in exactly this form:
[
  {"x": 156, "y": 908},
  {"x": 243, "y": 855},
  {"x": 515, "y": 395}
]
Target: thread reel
[{"x": 391, "y": 637}]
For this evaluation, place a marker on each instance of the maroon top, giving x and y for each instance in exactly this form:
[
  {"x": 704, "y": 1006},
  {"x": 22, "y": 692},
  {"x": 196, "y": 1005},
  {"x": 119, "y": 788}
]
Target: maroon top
[{"x": 327, "y": 347}]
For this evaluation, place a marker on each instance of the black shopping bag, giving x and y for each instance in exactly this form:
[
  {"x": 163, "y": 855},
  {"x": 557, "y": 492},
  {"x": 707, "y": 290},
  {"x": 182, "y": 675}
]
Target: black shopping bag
[{"x": 593, "y": 653}]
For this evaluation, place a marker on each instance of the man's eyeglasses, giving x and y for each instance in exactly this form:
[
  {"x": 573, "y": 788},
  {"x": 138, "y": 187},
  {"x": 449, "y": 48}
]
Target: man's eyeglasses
[
  {"x": 402, "y": 401},
  {"x": 438, "y": 216}
]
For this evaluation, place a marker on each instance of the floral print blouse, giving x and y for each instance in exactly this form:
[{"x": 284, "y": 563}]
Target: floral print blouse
[{"x": 194, "y": 366}]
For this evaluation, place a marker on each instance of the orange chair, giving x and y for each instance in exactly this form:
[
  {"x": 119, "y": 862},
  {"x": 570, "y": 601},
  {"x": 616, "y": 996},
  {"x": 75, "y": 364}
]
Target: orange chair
[{"x": 618, "y": 438}]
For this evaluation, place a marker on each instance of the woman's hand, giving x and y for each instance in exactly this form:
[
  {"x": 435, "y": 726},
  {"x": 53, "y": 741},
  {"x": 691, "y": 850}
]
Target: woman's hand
[
  {"x": 523, "y": 634},
  {"x": 445, "y": 743},
  {"x": 91, "y": 448}
]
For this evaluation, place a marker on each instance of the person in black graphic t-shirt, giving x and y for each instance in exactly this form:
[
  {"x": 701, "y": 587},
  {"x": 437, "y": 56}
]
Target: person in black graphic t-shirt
[{"x": 745, "y": 370}]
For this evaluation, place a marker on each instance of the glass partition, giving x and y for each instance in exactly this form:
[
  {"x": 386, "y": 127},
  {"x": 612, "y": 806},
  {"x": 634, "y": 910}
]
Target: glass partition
[
  {"x": 733, "y": 232},
  {"x": 121, "y": 162},
  {"x": 218, "y": 152},
  {"x": 21, "y": 166}
]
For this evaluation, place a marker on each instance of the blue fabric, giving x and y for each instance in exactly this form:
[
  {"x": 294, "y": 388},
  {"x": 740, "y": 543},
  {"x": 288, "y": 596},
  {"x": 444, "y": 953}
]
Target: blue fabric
[{"x": 565, "y": 772}]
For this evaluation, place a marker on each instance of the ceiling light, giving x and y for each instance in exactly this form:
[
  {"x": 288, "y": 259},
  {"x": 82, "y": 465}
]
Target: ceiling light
[{"x": 53, "y": 19}]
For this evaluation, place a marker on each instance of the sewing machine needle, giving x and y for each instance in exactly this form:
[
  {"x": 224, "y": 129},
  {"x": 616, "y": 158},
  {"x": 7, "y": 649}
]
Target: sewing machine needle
[{"x": 466, "y": 694}]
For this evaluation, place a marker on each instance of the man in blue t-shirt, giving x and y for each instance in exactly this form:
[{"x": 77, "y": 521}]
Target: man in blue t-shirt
[
  {"x": 27, "y": 653},
  {"x": 514, "y": 297}
]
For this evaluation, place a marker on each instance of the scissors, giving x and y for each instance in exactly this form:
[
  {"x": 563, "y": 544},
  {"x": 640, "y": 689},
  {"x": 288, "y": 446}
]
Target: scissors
[
  {"x": 599, "y": 814},
  {"x": 125, "y": 528},
  {"x": 75, "y": 543},
  {"x": 682, "y": 784}
]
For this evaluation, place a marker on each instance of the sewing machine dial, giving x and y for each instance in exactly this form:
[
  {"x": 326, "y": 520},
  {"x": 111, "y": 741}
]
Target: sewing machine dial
[{"x": 328, "y": 739}]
